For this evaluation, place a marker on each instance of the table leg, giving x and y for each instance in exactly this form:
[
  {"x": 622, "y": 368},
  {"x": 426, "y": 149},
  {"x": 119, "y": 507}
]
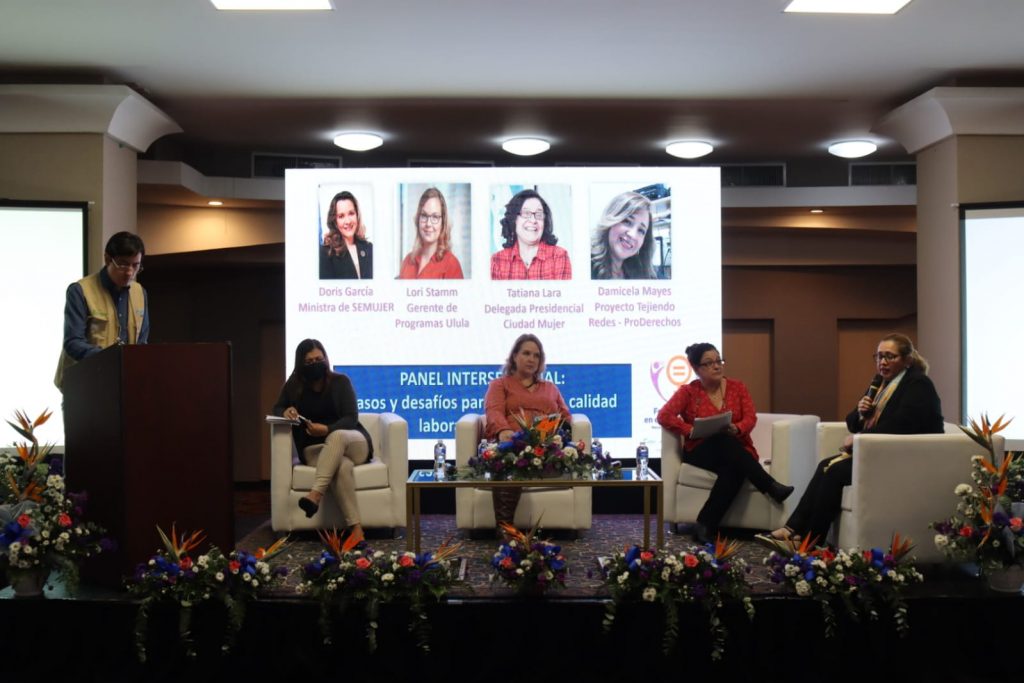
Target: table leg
[
  {"x": 661, "y": 514},
  {"x": 416, "y": 517},
  {"x": 408, "y": 517},
  {"x": 647, "y": 517}
]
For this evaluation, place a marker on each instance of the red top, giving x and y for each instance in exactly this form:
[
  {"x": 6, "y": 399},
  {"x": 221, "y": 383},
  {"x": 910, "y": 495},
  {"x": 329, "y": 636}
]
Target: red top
[
  {"x": 549, "y": 263},
  {"x": 447, "y": 268},
  {"x": 507, "y": 395},
  {"x": 691, "y": 401}
]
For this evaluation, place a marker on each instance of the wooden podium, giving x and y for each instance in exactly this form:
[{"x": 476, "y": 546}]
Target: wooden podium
[{"x": 148, "y": 437}]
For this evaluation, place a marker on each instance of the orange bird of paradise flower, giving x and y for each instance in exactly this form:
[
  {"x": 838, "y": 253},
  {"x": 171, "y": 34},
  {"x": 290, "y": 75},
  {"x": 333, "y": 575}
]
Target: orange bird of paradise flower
[{"x": 179, "y": 548}]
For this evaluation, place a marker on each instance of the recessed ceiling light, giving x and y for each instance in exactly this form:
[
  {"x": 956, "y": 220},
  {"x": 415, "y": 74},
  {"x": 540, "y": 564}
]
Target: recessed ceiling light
[
  {"x": 273, "y": 5},
  {"x": 846, "y": 6},
  {"x": 689, "y": 149},
  {"x": 215, "y": 202},
  {"x": 817, "y": 210},
  {"x": 852, "y": 149},
  {"x": 526, "y": 147},
  {"x": 358, "y": 142}
]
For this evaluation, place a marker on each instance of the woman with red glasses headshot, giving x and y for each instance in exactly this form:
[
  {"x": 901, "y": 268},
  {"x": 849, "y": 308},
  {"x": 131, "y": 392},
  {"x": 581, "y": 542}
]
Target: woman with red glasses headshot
[
  {"x": 900, "y": 400},
  {"x": 730, "y": 454}
]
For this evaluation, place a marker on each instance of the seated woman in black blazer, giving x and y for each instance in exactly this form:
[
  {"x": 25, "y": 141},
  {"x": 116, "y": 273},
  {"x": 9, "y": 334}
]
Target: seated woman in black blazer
[
  {"x": 906, "y": 403},
  {"x": 346, "y": 254}
]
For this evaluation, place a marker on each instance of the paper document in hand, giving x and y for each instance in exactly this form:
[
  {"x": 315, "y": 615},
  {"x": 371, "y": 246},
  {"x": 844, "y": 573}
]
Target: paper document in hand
[
  {"x": 278, "y": 420},
  {"x": 704, "y": 427}
]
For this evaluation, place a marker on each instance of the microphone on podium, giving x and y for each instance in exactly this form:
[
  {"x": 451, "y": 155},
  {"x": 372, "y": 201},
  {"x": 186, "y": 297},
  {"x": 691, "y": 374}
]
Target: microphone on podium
[{"x": 872, "y": 391}]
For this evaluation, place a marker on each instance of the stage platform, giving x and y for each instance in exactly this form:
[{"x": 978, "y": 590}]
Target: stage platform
[{"x": 960, "y": 631}]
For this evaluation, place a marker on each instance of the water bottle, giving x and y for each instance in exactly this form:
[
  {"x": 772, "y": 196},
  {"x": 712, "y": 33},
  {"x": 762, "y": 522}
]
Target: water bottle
[
  {"x": 481, "y": 448},
  {"x": 597, "y": 450},
  {"x": 440, "y": 460},
  {"x": 642, "y": 458}
]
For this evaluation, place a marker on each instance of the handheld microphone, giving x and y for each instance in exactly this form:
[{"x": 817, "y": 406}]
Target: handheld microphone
[{"x": 872, "y": 391}]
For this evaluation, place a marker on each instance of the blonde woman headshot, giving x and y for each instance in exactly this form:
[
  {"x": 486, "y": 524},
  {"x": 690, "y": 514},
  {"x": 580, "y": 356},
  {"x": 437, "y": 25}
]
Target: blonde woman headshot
[
  {"x": 622, "y": 246},
  {"x": 431, "y": 257}
]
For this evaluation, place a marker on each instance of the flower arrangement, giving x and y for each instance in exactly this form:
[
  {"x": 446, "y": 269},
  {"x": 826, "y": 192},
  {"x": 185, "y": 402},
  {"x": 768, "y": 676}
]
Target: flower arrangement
[
  {"x": 859, "y": 580},
  {"x": 542, "y": 448},
  {"x": 348, "y": 571},
  {"x": 987, "y": 525},
  {"x": 527, "y": 563},
  {"x": 171, "y": 576},
  {"x": 708, "y": 575},
  {"x": 41, "y": 526}
]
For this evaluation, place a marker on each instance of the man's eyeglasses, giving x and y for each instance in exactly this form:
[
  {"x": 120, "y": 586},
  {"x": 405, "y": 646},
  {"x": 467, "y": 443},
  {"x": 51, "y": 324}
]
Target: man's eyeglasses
[
  {"x": 137, "y": 267},
  {"x": 532, "y": 215},
  {"x": 887, "y": 357},
  {"x": 430, "y": 218},
  {"x": 708, "y": 364}
]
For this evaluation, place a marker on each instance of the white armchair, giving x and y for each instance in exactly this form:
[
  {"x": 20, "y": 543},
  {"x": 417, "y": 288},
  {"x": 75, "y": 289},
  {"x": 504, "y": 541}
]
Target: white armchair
[
  {"x": 786, "y": 446},
  {"x": 380, "y": 483},
  {"x": 563, "y": 508},
  {"x": 900, "y": 483}
]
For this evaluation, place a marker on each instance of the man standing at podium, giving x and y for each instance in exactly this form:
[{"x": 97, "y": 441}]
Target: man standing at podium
[{"x": 108, "y": 307}]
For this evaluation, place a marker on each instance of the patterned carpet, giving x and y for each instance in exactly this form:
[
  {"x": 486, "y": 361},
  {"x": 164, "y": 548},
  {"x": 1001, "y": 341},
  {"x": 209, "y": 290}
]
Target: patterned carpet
[{"x": 608, "y": 534}]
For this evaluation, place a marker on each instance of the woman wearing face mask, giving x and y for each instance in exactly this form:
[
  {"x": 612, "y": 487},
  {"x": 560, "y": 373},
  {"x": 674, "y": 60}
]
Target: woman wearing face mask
[
  {"x": 622, "y": 247},
  {"x": 431, "y": 256},
  {"x": 330, "y": 436}
]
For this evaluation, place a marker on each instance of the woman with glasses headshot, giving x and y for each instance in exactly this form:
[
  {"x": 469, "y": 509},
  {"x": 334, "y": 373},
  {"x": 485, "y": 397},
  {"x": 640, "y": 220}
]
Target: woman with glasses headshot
[
  {"x": 730, "y": 454},
  {"x": 346, "y": 253},
  {"x": 622, "y": 247},
  {"x": 900, "y": 400},
  {"x": 528, "y": 251},
  {"x": 431, "y": 257},
  {"x": 328, "y": 436}
]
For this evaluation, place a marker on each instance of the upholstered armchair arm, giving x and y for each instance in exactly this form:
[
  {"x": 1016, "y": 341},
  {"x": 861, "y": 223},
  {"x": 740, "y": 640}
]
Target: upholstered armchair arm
[
  {"x": 582, "y": 430},
  {"x": 903, "y": 483},
  {"x": 468, "y": 432},
  {"x": 670, "y": 464},
  {"x": 393, "y": 451},
  {"x": 282, "y": 453},
  {"x": 794, "y": 458},
  {"x": 830, "y": 438}
]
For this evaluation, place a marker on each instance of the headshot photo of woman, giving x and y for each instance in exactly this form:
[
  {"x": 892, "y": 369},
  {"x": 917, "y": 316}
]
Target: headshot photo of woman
[
  {"x": 431, "y": 257},
  {"x": 345, "y": 254},
  {"x": 622, "y": 244},
  {"x": 528, "y": 242}
]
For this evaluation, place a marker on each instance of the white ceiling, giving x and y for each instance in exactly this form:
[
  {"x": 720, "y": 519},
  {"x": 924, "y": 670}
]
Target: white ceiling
[{"x": 604, "y": 79}]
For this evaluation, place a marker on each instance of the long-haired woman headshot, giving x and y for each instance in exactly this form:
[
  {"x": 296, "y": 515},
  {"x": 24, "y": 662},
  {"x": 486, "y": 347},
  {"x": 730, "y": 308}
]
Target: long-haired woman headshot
[
  {"x": 431, "y": 257},
  {"x": 622, "y": 246},
  {"x": 346, "y": 254},
  {"x": 528, "y": 242}
]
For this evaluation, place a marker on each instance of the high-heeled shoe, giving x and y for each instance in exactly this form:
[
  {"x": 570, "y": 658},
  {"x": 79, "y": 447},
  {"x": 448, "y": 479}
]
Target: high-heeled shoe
[
  {"x": 779, "y": 492},
  {"x": 308, "y": 506},
  {"x": 701, "y": 534}
]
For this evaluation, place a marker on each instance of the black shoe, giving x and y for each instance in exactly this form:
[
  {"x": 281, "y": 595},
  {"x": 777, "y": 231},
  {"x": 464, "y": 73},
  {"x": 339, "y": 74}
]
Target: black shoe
[
  {"x": 308, "y": 506},
  {"x": 779, "y": 492},
  {"x": 701, "y": 534}
]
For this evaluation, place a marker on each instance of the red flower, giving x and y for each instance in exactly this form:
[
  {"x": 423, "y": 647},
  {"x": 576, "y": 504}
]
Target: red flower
[
  {"x": 406, "y": 561},
  {"x": 185, "y": 562},
  {"x": 1016, "y": 523},
  {"x": 647, "y": 556},
  {"x": 24, "y": 520},
  {"x": 234, "y": 565},
  {"x": 64, "y": 520},
  {"x": 362, "y": 563},
  {"x": 966, "y": 531},
  {"x": 506, "y": 563},
  {"x": 690, "y": 560}
]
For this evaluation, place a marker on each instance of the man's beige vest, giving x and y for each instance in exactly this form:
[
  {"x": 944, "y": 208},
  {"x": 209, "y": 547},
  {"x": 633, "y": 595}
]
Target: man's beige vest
[{"x": 103, "y": 328}]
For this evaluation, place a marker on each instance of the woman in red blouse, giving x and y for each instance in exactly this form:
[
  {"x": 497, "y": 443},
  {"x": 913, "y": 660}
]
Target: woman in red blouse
[
  {"x": 431, "y": 257},
  {"x": 730, "y": 454},
  {"x": 520, "y": 390}
]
